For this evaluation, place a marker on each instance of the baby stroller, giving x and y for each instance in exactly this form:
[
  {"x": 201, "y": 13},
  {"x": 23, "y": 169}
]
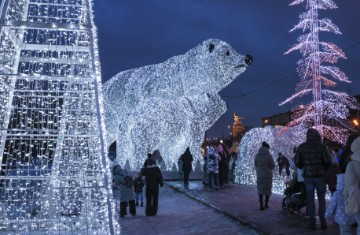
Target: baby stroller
[{"x": 295, "y": 196}]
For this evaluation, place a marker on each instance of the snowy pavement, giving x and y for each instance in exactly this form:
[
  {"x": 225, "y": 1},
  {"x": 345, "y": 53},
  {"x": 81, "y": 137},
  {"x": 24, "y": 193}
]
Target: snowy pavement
[
  {"x": 232, "y": 210},
  {"x": 179, "y": 214}
]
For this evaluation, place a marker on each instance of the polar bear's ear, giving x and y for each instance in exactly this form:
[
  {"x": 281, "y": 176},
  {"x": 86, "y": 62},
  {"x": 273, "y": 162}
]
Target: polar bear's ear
[{"x": 211, "y": 47}]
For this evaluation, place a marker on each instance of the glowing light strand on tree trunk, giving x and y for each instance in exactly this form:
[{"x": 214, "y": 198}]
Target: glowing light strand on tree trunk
[{"x": 328, "y": 110}]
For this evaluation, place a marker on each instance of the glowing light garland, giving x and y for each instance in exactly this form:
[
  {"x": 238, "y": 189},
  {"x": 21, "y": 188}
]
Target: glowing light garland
[
  {"x": 169, "y": 106},
  {"x": 55, "y": 176},
  {"x": 279, "y": 141},
  {"x": 329, "y": 110}
]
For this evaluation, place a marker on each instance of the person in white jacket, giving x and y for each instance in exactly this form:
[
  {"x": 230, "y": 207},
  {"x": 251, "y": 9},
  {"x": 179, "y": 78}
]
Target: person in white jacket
[
  {"x": 352, "y": 183},
  {"x": 336, "y": 208}
]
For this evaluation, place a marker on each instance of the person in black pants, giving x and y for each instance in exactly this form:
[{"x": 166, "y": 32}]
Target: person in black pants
[
  {"x": 283, "y": 162},
  {"x": 186, "y": 159},
  {"x": 153, "y": 179},
  {"x": 125, "y": 192}
]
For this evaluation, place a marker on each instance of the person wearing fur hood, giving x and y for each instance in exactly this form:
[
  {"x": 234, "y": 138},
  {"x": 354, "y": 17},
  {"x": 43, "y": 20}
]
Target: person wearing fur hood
[{"x": 352, "y": 183}]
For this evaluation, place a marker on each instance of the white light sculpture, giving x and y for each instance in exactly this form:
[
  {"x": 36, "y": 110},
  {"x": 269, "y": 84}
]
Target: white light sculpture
[
  {"x": 279, "y": 141},
  {"x": 169, "y": 106},
  {"x": 329, "y": 110},
  {"x": 54, "y": 173}
]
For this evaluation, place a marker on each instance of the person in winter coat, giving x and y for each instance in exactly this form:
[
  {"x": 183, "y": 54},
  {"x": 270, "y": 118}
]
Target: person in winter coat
[
  {"x": 331, "y": 175},
  {"x": 232, "y": 164},
  {"x": 352, "y": 183},
  {"x": 336, "y": 208},
  {"x": 138, "y": 188},
  {"x": 298, "y": 174},
  {"x": 212, "y": 162},
  {"x": 345, "y": 155},
  {"x": 127, "y": 196},
  {"x": 153, "y": 179},
  {"x": 156, "y": 155},
  {"x": 223, "y": 166},
  {"x": 283, "y": 162},
  {"x": 264, "y": 165},
  {"x": 186, "y": 159},
  {"x": 313, "y": 158},
  {"x": 116, "y": 192},
  {"x": 205, "y": 172}
]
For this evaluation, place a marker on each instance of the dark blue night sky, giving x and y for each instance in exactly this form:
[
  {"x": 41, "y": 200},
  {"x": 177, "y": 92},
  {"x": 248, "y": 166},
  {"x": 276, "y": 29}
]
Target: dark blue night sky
[{"x": 135, "y": 33}]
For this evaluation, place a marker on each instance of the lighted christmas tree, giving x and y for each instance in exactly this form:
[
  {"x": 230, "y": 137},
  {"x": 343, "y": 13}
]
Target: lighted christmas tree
[{"x": 329, "y": 109}]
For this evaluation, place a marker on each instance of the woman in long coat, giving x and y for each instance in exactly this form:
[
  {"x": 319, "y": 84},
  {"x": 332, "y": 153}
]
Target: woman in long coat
[
  {"x": 127, "y": 195},
  {"x": 264, "y": 165}
]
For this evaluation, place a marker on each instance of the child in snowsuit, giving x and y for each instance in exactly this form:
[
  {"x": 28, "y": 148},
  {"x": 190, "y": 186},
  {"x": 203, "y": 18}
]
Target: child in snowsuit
[{"x": 138, "y": 188}]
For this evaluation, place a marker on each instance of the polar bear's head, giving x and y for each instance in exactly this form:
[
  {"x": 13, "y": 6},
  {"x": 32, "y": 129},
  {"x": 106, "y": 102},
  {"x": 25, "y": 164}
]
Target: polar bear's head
[{"x": 216, "y": 65}]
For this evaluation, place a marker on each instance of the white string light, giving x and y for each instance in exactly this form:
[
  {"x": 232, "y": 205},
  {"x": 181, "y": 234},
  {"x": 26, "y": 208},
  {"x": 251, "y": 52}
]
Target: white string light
[
  {"x": 329, "y": 110},
  {"x": 279, "y": 141},
  {"x": 169, "y": 106},
  {"x": 54, "y": 171}
]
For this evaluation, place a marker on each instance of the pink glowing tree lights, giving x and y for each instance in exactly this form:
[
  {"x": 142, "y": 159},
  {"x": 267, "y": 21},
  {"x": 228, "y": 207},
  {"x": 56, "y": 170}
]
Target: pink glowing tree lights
[{"x": 328, "y": 110}]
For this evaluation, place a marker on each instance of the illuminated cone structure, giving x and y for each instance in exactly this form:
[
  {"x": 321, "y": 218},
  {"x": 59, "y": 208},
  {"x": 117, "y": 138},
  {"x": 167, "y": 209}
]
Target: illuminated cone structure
[{"x": 54, "y": 175}]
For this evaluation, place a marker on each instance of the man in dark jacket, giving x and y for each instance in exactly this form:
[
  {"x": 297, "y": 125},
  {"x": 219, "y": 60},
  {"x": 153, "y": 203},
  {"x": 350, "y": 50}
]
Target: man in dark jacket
[
  {"x": 283, "y": 162},
  {"x": 313, "y": 158},
  {"x": 153, "y": 179},
  {"x": 186, "y": 159}
]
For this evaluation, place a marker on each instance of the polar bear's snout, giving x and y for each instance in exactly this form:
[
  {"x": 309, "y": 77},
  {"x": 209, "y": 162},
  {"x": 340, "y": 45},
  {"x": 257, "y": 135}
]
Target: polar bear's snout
[{"x": 248, "y": 59}]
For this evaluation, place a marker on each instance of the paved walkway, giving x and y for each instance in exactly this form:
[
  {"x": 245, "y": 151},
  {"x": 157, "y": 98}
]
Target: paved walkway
[
  {"x": 240, "y": 203},
  {"x": 180, "y": 215},
  {"x": 232, "y": 210}
]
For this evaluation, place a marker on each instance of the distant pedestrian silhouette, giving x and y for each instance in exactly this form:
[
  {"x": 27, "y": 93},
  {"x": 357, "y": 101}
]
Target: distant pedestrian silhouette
[
  {"x": 186, "y": 159},
  {"x": 153, "y": 179}
]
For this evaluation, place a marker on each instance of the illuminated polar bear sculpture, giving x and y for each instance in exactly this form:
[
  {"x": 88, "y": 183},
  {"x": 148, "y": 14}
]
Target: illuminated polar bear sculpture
[
  {"x": 280, "y": 140},
  {"x": 162, "y": 106},
  {"x": 171, "y": 128}
]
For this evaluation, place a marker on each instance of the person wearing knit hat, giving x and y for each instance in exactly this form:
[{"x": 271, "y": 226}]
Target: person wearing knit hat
[
  {"x": 313, "y": 157},
  {"x": 264, "y": 144},
  {"x": 352, "y": 183},
  {"x": 283, "y": 163},
  {"x": 149, "y": 158},
  {"x": 153, "y": 179}
]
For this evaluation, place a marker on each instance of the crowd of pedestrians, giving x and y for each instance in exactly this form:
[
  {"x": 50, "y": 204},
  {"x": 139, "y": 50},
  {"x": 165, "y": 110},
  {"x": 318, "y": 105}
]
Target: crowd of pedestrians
[
  {"x": 315, "y": 169},
  {"x": 218, "y": 165},
  {"x": 129, "y": 192}
]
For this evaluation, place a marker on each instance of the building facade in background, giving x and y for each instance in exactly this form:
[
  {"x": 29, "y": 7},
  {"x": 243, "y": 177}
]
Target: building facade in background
[{"x": 282, "y": 119}]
